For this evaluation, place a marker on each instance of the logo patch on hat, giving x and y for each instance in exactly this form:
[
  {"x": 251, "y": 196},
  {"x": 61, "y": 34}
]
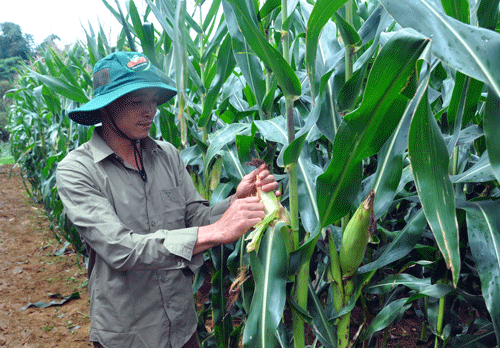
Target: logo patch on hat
[{"x": 136, "y": 61}]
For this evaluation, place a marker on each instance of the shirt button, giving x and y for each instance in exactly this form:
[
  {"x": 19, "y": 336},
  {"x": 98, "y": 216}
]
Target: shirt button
[
  {"x": 179, "y": 263},
  {"x": 153, "y": 224}
]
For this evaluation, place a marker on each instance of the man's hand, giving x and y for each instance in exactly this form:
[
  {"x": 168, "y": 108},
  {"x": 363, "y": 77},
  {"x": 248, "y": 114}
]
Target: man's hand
[
  {"x": 259, "y": 177},
  {"x": 242, "y": 214}
]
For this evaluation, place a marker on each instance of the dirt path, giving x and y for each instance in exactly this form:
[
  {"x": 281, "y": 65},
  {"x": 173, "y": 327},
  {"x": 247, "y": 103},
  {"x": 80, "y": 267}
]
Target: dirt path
[{"x": 31, "y": 272}]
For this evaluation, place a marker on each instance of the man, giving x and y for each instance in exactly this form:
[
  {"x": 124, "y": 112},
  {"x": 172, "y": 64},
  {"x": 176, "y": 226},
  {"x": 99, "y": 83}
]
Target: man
[{"x": 136, "y": 208}]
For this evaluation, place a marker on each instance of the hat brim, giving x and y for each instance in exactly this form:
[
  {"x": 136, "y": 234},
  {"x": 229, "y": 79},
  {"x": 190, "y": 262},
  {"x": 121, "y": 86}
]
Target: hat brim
[{"x": 90, "y": 113}]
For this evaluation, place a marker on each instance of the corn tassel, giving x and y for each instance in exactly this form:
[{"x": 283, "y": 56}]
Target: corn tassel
[{"x": 355, "y": 238}]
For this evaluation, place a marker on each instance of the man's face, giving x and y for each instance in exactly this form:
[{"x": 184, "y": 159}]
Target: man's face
[{"x": 134, "y": 112}]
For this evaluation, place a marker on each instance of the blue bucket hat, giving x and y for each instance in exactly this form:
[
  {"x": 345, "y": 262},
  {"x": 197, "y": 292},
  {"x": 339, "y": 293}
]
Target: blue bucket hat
[{"x": 116, "y": 75}]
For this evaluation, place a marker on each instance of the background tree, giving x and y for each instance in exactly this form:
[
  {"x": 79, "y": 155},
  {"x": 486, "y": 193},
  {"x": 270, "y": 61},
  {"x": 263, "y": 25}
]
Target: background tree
[
  {"x": 15, "y": 46},
  {"x": 13, "y": 43}
]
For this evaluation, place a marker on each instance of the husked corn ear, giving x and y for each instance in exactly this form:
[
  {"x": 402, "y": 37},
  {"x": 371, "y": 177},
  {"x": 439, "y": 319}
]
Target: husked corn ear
[
  {"x": 274, "y": 212},
  {"x": 355, "y": 237}
]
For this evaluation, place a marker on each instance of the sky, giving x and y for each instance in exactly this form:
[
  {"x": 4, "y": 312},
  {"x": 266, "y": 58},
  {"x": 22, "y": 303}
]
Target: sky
[{"x": 63, "y": 18}]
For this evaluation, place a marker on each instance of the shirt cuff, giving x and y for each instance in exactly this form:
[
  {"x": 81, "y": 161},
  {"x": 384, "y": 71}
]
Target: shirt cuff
[{"x": 181, "y": 242}]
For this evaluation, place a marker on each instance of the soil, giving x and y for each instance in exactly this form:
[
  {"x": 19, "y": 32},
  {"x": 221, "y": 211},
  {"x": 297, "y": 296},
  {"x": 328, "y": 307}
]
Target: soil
[{"x": 31, "y": 270}]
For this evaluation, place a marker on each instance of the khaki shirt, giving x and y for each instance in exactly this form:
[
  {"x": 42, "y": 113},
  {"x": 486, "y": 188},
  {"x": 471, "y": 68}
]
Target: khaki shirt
[{"x": 140, "y": 238}]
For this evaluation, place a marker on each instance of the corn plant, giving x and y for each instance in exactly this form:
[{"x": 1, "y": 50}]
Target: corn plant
[{"x": 374, "y": 115}]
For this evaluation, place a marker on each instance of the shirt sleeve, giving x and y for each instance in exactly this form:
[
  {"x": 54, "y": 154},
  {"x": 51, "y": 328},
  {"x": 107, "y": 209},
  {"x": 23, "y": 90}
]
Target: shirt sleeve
[{"x": 121, "y": 248}]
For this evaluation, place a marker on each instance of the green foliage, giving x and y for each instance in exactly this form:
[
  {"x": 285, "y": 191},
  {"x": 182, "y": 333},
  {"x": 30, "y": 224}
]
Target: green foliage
[
  {"x": 8, "y": 68},
  {"x": 411, "y": 114},
  {"x": 4, "y": 108},
  {"x": 13, "y": 43}
]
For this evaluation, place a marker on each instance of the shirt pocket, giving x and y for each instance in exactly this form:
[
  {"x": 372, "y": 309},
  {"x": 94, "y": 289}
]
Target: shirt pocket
[{"x": 174, "y": 207}]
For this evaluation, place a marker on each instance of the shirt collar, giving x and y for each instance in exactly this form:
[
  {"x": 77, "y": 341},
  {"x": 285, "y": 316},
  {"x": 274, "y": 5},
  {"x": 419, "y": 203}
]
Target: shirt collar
[{"x": 101, "y": 150}]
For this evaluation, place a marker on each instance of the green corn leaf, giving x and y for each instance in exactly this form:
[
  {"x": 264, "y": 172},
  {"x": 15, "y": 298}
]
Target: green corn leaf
[
  {"x": 273, "y": 129},
  {"x": 469, "y": 49},
  {"x": 269, "y": 269},
  {"x": 400, "y": 246},
  {"x": 437, "y": 290},
  {"x": 390, "y": 282},
  {"x": 291, "y": 153},
  {"x": 222, "y": 320},
  {"x": 244, "y": 145},
  {"x": 60, "y": 86},
  {"x": 322, "y": 12},
  {"x": 269, "y": 55},
  {"x": 136, "y": 20},
  {"x": 225, "y": 66},
  {"x": 221, "y": 138},
  {"x": 458, "y": 9},
  {"x": 169, "y": 131},
  {"x": 483, "y": 228},
  {"x": 390, "y": 157},
  {"x": 429, "y": 160},
  {"x": 167, "y": 27},
  {"x": 389, "y": 314},
  {"x": 350, "y": 37},
  {"x": 322, "y": 328},
  {"x": 349, "y": 93},
  {"x": 364, "y": 131},
  {"x": 148, "y": 43},
  {"x": 232, "y": 165},
  {"x": 63, "y": 69},
  {"x": 480, "y": 172},
  {"x": 491, "y": 127},
  {"x": 487, "y": 13},
  {"x": 247, "y": 61},
  {"x": 126, "y": 27},
  {"x": 474, "y": 89}
]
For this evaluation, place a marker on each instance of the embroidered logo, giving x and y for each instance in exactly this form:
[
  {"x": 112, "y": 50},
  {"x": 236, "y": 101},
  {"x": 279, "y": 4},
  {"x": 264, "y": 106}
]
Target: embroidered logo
[{"x": 136, "y": 60}]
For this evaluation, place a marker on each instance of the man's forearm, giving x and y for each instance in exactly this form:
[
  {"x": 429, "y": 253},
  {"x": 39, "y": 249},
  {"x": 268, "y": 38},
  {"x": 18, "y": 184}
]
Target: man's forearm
[{"x": 206, "y": 239}]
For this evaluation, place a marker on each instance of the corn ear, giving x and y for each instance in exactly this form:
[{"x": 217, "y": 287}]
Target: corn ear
[
  {"x": 355, "y": 237},
  {"x": 256, "y": 235},
  {"x": 274, "y": 212}
]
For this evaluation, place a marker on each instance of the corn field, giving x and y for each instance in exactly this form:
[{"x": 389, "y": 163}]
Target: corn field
[{"x": 380, "y": 119}]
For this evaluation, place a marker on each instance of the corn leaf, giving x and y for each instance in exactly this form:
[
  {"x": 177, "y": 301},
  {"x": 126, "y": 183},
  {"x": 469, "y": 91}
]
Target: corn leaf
[
  {"x": 269, "y": 268},
  {"x": 389, "y": 314},
  {"x": 221, "y": 138},
  {"x": 483, "y": 228},
  {"x": 390, "y": 157},
  {"x": 60, "y": 86},
  {"x": 247, "y": 61},
  {"x": 270, "y": 56},
  {"x": 491, "y": 127},
  {"x": 364, "y": 131},
  {"x": 458, "y": 9},
  {"x": 323, "y": 10},
  {"x": 487, "y": 13},
  {"x": 322, "y": 328},
  {"x": 401, "y": 245},
  {"x": 469, "y": 49},
  {"x": 480, "y": 172},
  {"x": 429, "y": 160},
  {"x": 225, "y": 66}
]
